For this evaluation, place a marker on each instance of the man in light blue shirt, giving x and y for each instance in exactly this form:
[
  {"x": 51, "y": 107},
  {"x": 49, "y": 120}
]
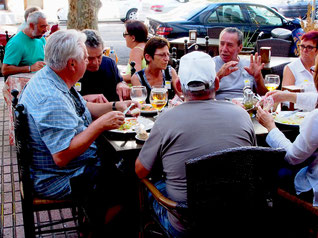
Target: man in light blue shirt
[
  {"x": 65, "y": 161},
  {"x": 24, "y": 53},
  {"x": 235, "y": 73}
]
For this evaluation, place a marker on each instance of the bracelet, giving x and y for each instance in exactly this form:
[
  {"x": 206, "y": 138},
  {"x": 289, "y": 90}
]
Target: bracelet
[
  {"x": 114, "y": 106},
  {"x": 29, "y": 69}
]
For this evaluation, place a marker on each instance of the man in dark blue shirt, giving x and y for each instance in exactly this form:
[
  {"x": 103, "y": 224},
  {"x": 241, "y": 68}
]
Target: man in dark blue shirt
[{"x": 102, "y": 81}]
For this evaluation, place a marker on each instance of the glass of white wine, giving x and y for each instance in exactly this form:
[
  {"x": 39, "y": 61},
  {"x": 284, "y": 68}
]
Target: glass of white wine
[
  {"x": 158, "y": 97},
  {"x": 272, "y": 81},
  {"x": 138, "y": 94}
]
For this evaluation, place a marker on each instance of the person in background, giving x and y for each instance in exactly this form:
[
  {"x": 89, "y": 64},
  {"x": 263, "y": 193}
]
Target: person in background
[
  {"x": 24, "y": 53},
  {"x": 300, "y": 175},
  {"x": 157, "y": 72},
  {"x": 235, "y": 73},
  {"x": 171, "y": 139},
  {"x": 136, "y": 36},
  {"x": 26, "y": 15},
  {"x": 299, "y": 72},
  {"x": 102, "y": 81},
  {"x": 66, "y": 161}
]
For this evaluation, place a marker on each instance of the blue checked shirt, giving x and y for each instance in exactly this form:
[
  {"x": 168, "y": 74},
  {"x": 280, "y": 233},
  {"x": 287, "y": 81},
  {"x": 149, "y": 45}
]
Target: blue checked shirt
[{"x": 53, "y": 123}]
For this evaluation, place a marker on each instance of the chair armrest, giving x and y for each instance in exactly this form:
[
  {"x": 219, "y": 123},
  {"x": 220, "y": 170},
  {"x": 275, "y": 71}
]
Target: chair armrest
[{"x": 165, "y": 202}]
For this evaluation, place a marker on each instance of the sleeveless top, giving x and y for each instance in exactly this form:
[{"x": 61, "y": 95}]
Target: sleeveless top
[
  {"x": 300, "y": 73},
  {"x": 143, "y": 63},
  {"x": 166, "y": 82}
]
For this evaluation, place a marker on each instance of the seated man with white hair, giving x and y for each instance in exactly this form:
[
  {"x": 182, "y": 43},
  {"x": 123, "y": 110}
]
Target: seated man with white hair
[
  {"x": 66, "y": 162},
  {"x": 24, "y": 53},
  {"x": 199, "y": 126}
]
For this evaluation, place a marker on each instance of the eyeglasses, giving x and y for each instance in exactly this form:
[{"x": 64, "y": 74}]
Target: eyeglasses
[
  {"x": 125, "y": 34},
  {"x": 163, "y": 55},
  {"x": 313, "y": 69},
  {"x": 308, "y": 47}
]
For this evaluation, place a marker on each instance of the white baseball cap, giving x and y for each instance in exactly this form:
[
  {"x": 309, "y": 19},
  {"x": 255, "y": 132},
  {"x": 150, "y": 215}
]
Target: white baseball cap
[{"x": 196, "y": 66}]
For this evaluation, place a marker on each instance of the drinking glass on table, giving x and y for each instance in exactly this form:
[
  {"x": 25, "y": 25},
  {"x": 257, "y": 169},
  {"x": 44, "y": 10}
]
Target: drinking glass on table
[
  {"x": 138, "y": 94},
  {"x": 158, "y": 97},
  {"x": 272, "y": 81}
]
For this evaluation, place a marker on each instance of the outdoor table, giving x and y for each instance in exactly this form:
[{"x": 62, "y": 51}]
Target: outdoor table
[{"x": 16, "y": 81}]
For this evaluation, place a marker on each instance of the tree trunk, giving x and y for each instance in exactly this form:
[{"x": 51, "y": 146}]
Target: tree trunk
[{"x": 83, "y": 14}]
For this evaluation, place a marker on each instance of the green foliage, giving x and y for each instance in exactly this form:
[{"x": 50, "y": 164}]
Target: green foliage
[{"x": 249, "y": 37}]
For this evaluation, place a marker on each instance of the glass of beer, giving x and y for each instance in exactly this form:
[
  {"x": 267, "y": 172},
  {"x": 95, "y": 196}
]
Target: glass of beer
[
  {"x": 272, "y": 81},
  {"x": 158, "y": 97}
]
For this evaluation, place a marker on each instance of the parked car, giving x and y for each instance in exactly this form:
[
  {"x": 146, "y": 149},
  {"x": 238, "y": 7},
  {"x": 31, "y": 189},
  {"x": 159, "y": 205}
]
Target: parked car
[
  {"x": 292, "y": 8},
  {"x": 111, "y": 9},
  {"x": 249, "y": 17}
]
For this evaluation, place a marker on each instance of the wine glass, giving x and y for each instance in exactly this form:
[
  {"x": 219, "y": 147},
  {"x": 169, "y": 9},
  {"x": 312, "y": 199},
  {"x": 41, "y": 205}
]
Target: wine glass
[
  {"x": 138, "y": 94},
  {"x": 158, "y": 97},
  {"x": 272, "y": 81}
]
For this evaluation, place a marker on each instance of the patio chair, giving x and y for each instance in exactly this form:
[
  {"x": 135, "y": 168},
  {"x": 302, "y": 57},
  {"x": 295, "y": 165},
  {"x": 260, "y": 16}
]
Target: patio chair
[
  {"x": 214, "y": 32},
  {"x": 223, "y": 187},
  {"x": 280, "y": 47},
  {"x": 196, "y": 46},
  {"x": 30, "y": 203}
]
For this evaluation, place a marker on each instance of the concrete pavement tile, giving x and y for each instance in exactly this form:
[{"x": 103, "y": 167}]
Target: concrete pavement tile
[
  {"x": 7, "y": 221},
  {"x": 7, "y": 208}
]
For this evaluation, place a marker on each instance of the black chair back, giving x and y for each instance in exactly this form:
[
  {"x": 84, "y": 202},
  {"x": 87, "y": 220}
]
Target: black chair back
[
  {"x": 280, "y": 47},
  {"x": 233, "y": 188}
]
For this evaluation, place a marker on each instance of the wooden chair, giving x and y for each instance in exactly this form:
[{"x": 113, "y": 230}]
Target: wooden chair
[
  {"x": 221, "y": 187},
  {"x": 280, "y": 47},
  {"x": 30, "y": 203},
  {"x": 196, "y": 46}
]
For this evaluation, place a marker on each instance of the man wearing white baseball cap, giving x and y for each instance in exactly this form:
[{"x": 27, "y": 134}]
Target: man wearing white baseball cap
[{"x": 199, "y": 126}]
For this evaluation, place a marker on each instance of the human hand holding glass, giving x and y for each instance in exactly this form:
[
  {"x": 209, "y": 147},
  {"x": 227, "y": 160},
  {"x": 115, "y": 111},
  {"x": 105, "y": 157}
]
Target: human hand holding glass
[
  {"x": 271, "y": 81},
  {"x": 158, "y": 97},
  {"x": 138, "y": 94}
]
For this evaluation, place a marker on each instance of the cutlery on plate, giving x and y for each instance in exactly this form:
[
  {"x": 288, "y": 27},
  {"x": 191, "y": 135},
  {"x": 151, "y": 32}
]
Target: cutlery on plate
[{"x": 128, "y": 108}]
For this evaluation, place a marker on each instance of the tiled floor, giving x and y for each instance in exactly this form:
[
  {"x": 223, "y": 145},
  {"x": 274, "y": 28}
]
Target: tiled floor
[{"x": 11, "y": 222}]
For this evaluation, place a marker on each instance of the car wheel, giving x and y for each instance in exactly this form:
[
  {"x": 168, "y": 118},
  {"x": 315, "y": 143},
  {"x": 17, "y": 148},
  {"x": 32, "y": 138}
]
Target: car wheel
[{"x": 132, "y": 14}]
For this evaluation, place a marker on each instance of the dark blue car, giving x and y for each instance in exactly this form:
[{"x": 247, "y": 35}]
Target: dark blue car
[{"x": 249, "y": 17}]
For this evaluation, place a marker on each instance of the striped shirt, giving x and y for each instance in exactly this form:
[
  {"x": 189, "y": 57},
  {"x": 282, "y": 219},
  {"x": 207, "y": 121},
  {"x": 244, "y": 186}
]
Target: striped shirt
[{"x": 53, "y": 123}]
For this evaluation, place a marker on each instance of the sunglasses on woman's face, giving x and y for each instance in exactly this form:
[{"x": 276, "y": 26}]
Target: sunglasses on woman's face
[{"x": 125, "y": 34}]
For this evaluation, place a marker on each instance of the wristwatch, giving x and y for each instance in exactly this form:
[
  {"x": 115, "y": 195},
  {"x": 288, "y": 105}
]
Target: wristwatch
[{"x": 114, "y": 106}]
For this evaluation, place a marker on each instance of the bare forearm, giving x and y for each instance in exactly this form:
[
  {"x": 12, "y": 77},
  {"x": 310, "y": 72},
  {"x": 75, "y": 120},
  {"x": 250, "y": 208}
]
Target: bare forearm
[
  {"x": 79, "y": 144},
  {"x": 12, "y": 69},
  {"x": 261, "y": 89},
  {"x": 98, "y": 109}
]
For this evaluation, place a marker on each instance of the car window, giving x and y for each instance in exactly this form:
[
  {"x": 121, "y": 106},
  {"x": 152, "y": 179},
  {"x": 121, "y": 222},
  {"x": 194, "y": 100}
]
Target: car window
[
  {"x": 262, "y": 16},
  {"x": 227, "y": 14}
]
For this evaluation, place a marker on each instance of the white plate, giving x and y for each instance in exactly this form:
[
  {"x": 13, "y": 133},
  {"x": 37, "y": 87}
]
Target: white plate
[
  {"x": 145, "y": 123},
  {"x": 148, "y": 112},
  {"x": 290, "y": 118}
]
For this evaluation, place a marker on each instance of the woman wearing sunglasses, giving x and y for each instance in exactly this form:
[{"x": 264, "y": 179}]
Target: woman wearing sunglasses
[
  {"x": 136, "y": 35},
  {"x": 299, "y": 72}
]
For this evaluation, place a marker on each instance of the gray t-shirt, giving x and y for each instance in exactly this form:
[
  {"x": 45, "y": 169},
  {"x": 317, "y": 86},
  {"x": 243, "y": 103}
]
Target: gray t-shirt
[
  {"x": 231, "y": 86},
  {"x": 190, "y": 130}
]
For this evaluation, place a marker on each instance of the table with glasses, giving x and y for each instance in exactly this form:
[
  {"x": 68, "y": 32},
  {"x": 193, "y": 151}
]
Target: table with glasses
[{"x": 16, "y": 81}]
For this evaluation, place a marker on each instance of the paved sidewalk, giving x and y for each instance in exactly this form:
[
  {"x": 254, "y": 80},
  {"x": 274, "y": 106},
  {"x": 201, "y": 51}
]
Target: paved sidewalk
[{"x": 11, "y": 222}]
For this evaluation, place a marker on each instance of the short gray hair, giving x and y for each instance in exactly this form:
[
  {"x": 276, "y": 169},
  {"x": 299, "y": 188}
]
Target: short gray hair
[
  {"x": 62, "y": 46},
  {"x": 29, "y": 10},
  {"x": 34, "y": 17},
  {"x": 233, "y": 30},
  {"x": 94, "y": 39}
]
